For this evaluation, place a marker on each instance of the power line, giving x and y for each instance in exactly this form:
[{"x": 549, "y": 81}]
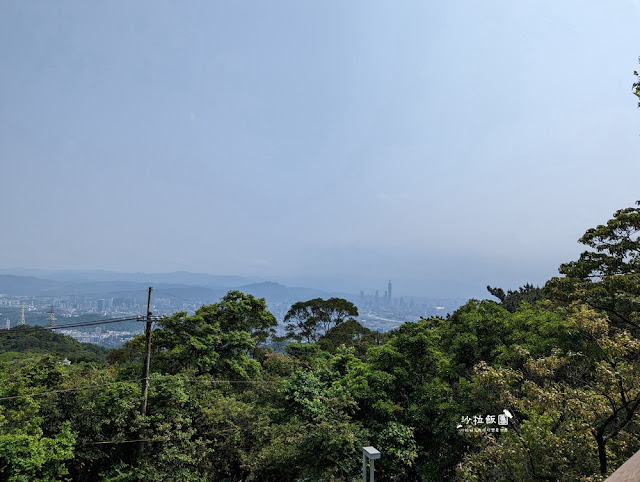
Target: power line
[
  {"x": 99, "y": 322},
  {"x": 72, "y": 325},
  {"x": 207, "y": 380},
  {"x": 155, "y": 376},
  {"x": 178, "y": 297},
  {"x": 88, "y": 387},
  {"x": 157, "y": 439},
  {"x": 78, "y": 294},
  {"x": 105, "y": 442}
]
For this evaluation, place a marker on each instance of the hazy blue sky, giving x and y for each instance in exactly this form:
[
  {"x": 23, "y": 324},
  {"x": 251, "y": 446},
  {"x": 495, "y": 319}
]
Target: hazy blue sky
[{"x": 443, "y": 145}]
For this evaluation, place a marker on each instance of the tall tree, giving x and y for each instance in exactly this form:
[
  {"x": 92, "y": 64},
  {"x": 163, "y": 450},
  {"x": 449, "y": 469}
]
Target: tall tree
[
  {"x": 218, "y": 339},
  {"x": 308, "y": 320},
  {"x": 607, "y": 277}
]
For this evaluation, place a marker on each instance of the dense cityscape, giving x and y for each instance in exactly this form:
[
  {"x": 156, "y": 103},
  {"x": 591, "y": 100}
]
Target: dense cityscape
[{"x": 377, "y": 311}]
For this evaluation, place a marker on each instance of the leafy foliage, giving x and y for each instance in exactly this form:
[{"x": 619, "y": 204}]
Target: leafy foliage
[
  {"x": 570, "y": 418},
  {"x": 512, "y": 299},
  {"x": 351, "y": 334},
  {"x": 28, "y": 339},
  {"x": 224, "y": 407},
  {"x": 217, "y": 340},
  {"x": 308, "y": 320},
  {"x": 607, "y": 277}
]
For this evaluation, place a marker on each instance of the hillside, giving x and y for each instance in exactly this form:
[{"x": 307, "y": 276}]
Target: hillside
[{"x": 26, "y": 339}]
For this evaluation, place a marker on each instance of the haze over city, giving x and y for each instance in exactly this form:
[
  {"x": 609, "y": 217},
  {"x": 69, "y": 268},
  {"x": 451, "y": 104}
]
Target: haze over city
[{"x": 335, "y": 145}]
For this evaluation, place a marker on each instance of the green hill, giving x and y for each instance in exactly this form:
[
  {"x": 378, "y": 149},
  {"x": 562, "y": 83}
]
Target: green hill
[{"x": 28, "y": 339}]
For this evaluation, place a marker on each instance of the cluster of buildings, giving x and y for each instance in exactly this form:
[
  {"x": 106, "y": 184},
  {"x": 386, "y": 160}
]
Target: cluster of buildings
[
  {"x": 102, "y": 337},
  {"x": 380, "y": 312}
]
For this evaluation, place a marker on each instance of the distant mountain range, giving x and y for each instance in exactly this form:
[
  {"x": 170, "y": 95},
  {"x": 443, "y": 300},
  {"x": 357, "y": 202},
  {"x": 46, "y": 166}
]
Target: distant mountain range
[
  {"x": 25, "y": 285},
  {"x": 178, "y": 277},
  {"x": 191, "y": 286}
]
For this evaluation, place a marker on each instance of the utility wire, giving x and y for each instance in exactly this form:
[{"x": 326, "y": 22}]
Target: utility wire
[
  {"x": 157, "y": 439},
  {"x": 70, "y": 325},
  {"x": 79, "y": 294},
  {"x": 137, "y": 380},
  {"x": 178, "y": 297},
  {"x": 87, "y": 387},
  {"x": 215, "y": 380},
  {"x": 106, "y": 442}
]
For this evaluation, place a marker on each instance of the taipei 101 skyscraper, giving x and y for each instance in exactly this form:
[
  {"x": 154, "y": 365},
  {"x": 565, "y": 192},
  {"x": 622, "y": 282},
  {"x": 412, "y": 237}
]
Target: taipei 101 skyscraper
[{"x": 389, "y": 302}]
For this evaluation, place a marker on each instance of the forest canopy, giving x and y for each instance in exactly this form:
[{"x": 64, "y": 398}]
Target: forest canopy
[{"x": 541, "y": 384}]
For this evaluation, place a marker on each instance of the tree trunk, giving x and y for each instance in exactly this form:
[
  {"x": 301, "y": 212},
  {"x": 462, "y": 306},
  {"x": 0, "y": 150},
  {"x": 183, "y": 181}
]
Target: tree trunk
[{"x": 602, "y": 454}]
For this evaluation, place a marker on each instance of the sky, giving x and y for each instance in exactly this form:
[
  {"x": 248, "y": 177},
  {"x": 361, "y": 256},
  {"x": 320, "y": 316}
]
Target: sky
[{"x": 443, "y": 145}]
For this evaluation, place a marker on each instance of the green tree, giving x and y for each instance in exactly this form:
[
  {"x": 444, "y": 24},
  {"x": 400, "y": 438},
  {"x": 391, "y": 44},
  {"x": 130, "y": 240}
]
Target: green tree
[
  {"x": 349, "y": 333},
  {"x": 511, "y": 300},
  {"x": 575, "y": 412},
  {"x": 32, "y": 448},
  {"x": 607, "y": 277},
  {"x": 314, "y": 436},
  {"x": 25, "y": 454},
  {"x": 217, "y": 339},
  {"x": 431, "y": 365},
  {"x": 308, "y": 320},
  {"x": 576, "y": 407},
  {"x": 420, "y": 396}
]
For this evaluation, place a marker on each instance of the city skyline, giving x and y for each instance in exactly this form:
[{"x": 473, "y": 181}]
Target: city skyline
[{"x": 123, "y": 310}]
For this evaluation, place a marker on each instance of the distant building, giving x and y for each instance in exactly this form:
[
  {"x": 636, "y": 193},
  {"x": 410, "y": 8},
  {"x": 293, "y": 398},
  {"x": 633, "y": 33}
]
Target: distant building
[{"x": 389, "y": 299}]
